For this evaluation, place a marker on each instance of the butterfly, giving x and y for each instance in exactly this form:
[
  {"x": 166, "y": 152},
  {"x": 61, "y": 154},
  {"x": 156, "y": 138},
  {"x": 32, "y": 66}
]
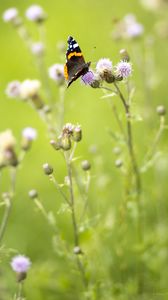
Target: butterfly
[{"x": 75, "y": 64}]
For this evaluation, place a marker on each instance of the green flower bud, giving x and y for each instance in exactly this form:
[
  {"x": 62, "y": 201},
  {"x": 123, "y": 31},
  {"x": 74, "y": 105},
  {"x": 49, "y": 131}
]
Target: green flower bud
[
  {"x": 21, "y": 276},
  {"x": 124, "y": 55},
  {"x": 77, "y": 250},
  {"x": 118, "y": 163},
  {"x": 77, "y": 133},
  {"x": 66, "y": 143},
  {"x": 33, "y": 194},
  {"x": 56, "y": 144},
  {"x": 48, "y": 170},
  {"x": 161, "y": 110},
  {"x": 85, "y": 165}
]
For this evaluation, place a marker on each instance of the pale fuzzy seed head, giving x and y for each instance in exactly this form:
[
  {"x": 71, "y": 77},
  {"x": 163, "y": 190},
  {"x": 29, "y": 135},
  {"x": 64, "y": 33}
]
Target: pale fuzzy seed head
[
  {"x": 37, "y": 48},
  {"x": 13, "y": 89},
  {"x": 20, "y": 264},
  {"x": 104, "y": 65},
  {"x": 88, "y": 78},
  {"x": 56, "y": 72},
  {"x": 29, "y": 88},
  {"x": 29, "y": 133},
  {"x": 10, "y": 15},
  {"x": 7, "y": 140},
  {"x": 35, "y": 13},
  {"x": 123, "y": 69}
]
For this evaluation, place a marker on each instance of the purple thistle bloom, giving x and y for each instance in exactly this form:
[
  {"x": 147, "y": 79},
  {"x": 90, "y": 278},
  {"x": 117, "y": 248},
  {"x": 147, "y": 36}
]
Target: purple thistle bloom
[
  {"x": 20, "y": 263},
  {"x": 124, "y": 69},
  {"x": 88, "y": 78}
]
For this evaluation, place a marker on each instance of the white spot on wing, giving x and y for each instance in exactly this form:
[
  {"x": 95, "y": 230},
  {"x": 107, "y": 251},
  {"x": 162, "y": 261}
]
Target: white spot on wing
[{"x": 75, "y": 45}]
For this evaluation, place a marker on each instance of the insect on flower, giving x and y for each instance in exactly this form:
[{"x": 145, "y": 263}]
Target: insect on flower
[{"x": 75, "y": 64}]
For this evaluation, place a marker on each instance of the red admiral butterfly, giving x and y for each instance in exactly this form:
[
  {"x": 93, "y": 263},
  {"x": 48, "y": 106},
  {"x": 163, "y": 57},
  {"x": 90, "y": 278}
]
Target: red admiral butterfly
[{"x": 75, "y": 64}]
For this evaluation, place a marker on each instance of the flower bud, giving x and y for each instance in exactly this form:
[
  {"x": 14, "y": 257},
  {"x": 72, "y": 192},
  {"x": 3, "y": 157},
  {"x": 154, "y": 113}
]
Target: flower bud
[
  {"x": 66, "y": 142},
  {"x": 124, "y": 55},
  {"x": 21, "y": 276},
  {"x": 56, "y": 144},
  {"x": 28, "y": 135},
  {"x": 77, "y": 250},
  {"x": 109, "y": 77},
  {"x": 33, "y": 194},
  {"x": 161, "y": 110},
  {"x": 77, "y": 133},
  {"x": 118, "y": 163},
  {"x": 85, "y": 164},
  {"x": 48, "y": 170}
]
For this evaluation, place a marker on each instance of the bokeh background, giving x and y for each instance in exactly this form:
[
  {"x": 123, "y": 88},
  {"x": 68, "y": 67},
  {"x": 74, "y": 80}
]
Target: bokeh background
[{"x": 52, "y": 276}]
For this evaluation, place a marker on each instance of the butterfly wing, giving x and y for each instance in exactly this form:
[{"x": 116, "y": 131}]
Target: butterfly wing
[{"x": 75, "y": 61}]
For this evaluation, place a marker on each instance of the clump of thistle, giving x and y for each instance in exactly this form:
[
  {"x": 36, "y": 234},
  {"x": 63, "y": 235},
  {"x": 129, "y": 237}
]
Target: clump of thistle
[
  {"x": 128, "y": 28},
  {"x": 70, "y": 133},
  {"x": 28, "y": 90}
]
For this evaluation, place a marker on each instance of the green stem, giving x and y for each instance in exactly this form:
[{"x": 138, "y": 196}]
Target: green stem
[
  {"x": 136, "y": 173},
  {"x": 74, "y": 221},
  {"x": 5, "y": 217},
  {"x": 20, "y": 291}
]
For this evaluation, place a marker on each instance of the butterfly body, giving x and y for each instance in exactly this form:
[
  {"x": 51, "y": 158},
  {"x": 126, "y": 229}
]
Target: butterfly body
[{"x": 75, "y": 64}]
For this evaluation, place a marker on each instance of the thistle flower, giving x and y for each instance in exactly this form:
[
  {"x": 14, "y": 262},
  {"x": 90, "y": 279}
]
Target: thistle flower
[
  {"x": 104, "y": 69},
  {"x": 20, "y": 264},
  {"x": 29, "y": 133},
  {"x": 10, "y": 15},
  {"x": 123, "y": 69},
  {"x": 29, "y": 88},
  {"x": 134, "y": 30},
  {"x": 13, "y": 89},
  {"x": 88, "y": 78},
  {"x": 37, "y": 48},
  {"x": 56, "y": 72},
  {"x": 7, "y": 140},
  {"x": 104, "y": 64},
  {"x": 67, "y": 129},
  {"x": 7, "y": 153},
  {"x": 35, "y": 13}
]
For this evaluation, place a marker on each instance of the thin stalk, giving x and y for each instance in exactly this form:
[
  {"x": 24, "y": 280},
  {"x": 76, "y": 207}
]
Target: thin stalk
[
  {"x": 162, "y": 127},
  {"x": 52, "y": 178},
  {"x": 20, "y": 291},
  {"x": 8, "y": 203},
  {"x": 74, "y": 220},
  {"x": 136, "y": 175},
  {"x": 5, "y": 217}
]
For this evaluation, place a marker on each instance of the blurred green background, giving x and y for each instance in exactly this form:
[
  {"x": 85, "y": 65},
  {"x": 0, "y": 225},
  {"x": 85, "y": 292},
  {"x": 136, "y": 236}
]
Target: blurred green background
[{"x": 52, "y": 276}]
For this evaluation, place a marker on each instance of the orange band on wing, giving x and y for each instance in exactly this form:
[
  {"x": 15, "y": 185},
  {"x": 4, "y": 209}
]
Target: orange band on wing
[
  {"x": 66, "y": 72},
  {"x": 74, "y": 54}
]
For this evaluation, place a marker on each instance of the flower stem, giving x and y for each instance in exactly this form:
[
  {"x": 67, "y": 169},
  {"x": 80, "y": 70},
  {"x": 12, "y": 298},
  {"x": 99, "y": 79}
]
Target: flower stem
[
  {"x": 137, "y": 176},
  {"x": 7, "y": 201},
  {"x": 74, "y": 220}
]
